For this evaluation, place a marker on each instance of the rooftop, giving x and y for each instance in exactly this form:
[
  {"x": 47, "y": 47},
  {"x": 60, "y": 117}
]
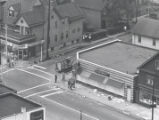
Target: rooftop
[
  {"x": 4, "y": 89},
  {"x": 70, "y": 10},
  {"x": 118, "y": 55},
  {"x": 12, "y": 104},
  {"x": 147, "y": 27},
  {"x": 34, "y": 17}
]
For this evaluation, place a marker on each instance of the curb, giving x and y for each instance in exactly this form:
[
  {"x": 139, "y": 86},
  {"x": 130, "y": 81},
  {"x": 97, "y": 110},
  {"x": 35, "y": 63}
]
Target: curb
[{"x": 127, "y": 113}]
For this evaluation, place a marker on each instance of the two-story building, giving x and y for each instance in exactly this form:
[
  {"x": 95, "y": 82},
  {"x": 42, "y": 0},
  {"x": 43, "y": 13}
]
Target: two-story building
[
  {"x": 66, "y": 25},
  {"x": 146, "y": 33},
  {"x": 93, "y": 11},
  {"x": 27, "y": 22},
  {"x": 23, "y": 32},
  {"x": 113, "y": 66},
  {"x": 14, "y": 107},
  {"x": 148, "y": 81}
]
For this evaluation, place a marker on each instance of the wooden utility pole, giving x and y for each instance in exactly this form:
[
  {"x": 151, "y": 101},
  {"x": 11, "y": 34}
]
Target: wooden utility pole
[{"x": 48, "y": 33}]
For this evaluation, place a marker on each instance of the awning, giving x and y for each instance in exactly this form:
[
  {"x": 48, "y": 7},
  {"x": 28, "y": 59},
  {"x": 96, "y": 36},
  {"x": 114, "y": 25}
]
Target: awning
[
  {"x": 115, "y": 84},
  {"x": 97, "y": 78}
]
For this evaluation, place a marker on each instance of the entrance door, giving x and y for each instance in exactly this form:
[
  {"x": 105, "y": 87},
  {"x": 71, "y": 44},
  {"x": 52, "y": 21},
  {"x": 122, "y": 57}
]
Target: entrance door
[{"x": 20, "y": 54}]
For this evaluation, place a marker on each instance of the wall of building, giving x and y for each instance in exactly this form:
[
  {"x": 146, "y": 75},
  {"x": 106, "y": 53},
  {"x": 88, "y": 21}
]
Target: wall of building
[
  {"x": 128, "y": 81},
  {"x": 93, "y": 17},
  {"x": 76, "y": 30},
  {"x": 145, "y": 41}
]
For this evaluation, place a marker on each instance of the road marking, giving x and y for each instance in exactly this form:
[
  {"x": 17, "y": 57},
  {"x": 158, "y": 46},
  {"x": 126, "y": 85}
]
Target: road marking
[
  {"x": 54, "y": 93},
  {"x": 43, "y": 71},
  {"x": 32, "y": 88},
  {"x": 7, "y": 71},
  {"x": 41, "y": 92},
  {"x": 70, "y": 108},
  {"x": 34, "y": 74},
  {"x": 38, "y": 66}
]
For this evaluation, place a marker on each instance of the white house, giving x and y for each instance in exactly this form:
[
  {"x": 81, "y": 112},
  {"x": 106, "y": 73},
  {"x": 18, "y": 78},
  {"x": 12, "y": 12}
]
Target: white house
[{"x": 146, "y": 33}]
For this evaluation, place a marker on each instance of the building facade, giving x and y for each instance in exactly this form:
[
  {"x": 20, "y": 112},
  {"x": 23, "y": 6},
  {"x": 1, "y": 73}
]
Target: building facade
[
  {"x": 66, "y": 26},
  {"x": 146, "y": 33},
  {"x": 109, "y": 67},
  {"x": 27, "y": 20},
  {"x": 93, "y": 11},
  {"x": 148, "y": 81}
]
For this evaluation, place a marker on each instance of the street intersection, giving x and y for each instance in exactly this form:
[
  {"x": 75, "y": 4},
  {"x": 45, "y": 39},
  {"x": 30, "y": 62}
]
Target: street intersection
[{"x": 37, "y": 84}]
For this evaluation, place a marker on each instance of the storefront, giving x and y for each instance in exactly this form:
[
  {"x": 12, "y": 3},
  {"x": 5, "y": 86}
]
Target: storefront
[
  {"x": 23, "y": 51},
  {"x": 145, "y": 97}
]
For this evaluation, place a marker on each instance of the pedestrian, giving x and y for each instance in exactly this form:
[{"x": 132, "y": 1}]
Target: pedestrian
[{"x": 55, "y": 78}]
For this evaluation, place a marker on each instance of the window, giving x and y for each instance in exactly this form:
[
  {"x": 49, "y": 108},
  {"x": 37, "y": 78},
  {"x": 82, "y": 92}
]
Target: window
[
  {"x": 11, "y": 13},
  {"x": 150, "y": 80},
  {"x": 52, "y": 17},
  {"x": 55, "y": 24},
  {"x": 157, "y": 64},
  {"x": 63, "y": 21},
  {"x": 78, "y": 29},
  {"x": 139, "y": 39},
  {"x": 62, "y": 36},
  {"x": 21, "y": 21},
  {"x": 55, "y": 38},
  {"x": 67, "y": 35},
  {"x": 154, "y": 42},
  {"x": 74, "y": 30}
]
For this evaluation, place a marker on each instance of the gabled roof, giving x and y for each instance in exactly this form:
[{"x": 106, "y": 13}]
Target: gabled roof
[
  {"x": 70, "y": 11},
  {"x": 91, "y": 4},
  {"x": 16, "y": 7},
  {"x": 5, "y": 89},
  {"x": 149, "y": 60},
  {"x": 34, "y": 17},
  {"x": 147, "y": 27}
]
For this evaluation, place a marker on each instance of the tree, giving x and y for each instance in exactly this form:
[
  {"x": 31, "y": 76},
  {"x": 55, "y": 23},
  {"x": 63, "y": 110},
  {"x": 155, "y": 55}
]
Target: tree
[{"x": 119, "y": 10}]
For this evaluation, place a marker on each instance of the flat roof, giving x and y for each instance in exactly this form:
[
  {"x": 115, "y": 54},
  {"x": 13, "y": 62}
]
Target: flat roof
[
  {"x": 11, "y": 104},
  {"x": 118, "y": 55}
]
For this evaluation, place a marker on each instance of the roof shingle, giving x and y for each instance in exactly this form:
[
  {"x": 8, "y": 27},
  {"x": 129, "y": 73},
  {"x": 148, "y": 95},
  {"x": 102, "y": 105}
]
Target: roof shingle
[
  {"x": 147, "y": 27},
  {"x": 70, "y": 10}
]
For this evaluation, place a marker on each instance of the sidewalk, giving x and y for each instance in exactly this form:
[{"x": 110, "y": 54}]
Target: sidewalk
[{"x": 134, "y": 110}]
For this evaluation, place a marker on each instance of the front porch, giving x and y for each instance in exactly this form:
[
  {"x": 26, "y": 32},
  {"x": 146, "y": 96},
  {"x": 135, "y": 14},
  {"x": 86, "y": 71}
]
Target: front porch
[{"x": 16, "y": 46}]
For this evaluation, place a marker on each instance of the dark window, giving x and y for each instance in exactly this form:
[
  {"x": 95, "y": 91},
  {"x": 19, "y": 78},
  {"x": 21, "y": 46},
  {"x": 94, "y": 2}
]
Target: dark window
[
  {"x": 67, "y": 35},
  {"x": 62, "y": 36},
  {"x": 78, "y": 29},
  {"x": 74, "y": 30},
  {"x": 157, "y": 64},
  {"x": 55, "y": 38},
  {"x": 52, "y": 17},
  {"x": 39, "y": 115},
  {"x": 139, "y": 39},
  {"x": 56, "y": 24},
  {"x": 154, "y": 42},
  {"x": 21, "y": 21}
]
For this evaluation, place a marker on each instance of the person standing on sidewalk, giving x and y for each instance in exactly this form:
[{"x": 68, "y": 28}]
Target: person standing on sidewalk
[{"x": 55, "y": 78}]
